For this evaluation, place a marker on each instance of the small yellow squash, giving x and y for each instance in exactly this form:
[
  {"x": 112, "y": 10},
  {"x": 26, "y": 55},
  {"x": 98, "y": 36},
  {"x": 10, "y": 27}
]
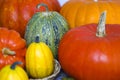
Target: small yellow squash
[
  {"x": 13, "y": 72},
  {"x": 39, "y": 60}
]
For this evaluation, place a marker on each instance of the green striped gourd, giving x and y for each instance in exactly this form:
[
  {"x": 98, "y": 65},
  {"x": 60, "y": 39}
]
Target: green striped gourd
[{"x": 50, "y": 26}]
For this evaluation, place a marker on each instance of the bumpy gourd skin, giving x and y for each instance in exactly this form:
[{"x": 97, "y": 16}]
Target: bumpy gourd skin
[
  {"x": 39, "y": 60},
  {"x": 49, "y": 26}
]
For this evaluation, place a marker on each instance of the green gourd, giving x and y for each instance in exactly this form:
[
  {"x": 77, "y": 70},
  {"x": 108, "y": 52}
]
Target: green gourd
[{"x": 50, "y": 26}]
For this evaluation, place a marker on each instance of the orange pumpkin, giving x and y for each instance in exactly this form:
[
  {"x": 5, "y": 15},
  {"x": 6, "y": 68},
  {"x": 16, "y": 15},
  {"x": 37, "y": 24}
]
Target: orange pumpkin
[
  {"x": 80, "y": 12},
  {"x": 14, "y": 14},
  {"x": 90, "y": 52},
  {"x": 12, "y": 47}
]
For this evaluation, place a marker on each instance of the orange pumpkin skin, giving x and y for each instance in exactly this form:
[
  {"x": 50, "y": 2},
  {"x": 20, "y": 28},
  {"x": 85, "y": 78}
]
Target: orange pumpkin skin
[
  {"x": 1, "y": 2},
  {"x": 16, "y": 13},
  {"x": 87, "y": 57},
  {"x": 81, "y": 12},
  {"x": 11, "y": 40}
]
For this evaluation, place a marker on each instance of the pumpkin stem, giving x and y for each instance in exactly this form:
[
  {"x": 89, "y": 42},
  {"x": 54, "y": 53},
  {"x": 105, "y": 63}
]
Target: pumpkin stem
[
  {"x": 101, "y": 25},
  {"x": 14, "y": 65},
  {"x": 44, "y": 5},
  {"x": 37, "y": 39},
  {"x": 7, "y": 51}
]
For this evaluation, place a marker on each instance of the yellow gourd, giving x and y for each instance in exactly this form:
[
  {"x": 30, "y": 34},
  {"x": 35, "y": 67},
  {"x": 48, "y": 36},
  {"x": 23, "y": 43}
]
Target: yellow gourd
[
  {"x": 13, "y": 72},
  {"x": 39, "y": 60}
]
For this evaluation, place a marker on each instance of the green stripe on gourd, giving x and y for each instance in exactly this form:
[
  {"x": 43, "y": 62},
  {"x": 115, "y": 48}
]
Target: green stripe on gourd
[{"x": 50, "y": 26}]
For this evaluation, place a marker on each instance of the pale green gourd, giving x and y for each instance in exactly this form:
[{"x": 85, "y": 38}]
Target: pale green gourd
[{"x": 50, "y": 26}]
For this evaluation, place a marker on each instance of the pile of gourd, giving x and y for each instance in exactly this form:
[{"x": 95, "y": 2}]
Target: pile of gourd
[{"x": 82, "y": 35}]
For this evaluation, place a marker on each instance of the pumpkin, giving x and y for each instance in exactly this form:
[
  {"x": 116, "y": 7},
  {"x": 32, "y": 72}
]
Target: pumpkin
[
  {"x": 81, "y": 12},
  {"x": 12, "y": 47},
  {"x": 1, "y": 2},
  {"x": 91, "y": 53},
  {"x": 16, "y": 13},
  {"x": 13, "y": 72},
  {"x": 50, "y": 26},
  {"x": 42, "y": 63}
]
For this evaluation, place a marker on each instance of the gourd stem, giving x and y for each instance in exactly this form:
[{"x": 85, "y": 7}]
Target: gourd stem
[
  {"x": 7, "y": 51},
  {"x": 101, "y": 25},
  {"x": 37, "y": 39},
  {"x": 44, "y": 5},
  {"x": 14, "y": 65}
]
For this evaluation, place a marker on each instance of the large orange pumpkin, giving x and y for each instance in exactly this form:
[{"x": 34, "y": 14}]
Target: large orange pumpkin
[
  {"x": 15, "y": 14},
  {"x": 91, "y": 53},
  {"x": 12, "y": 47},
  {"x": 80, "y": 12}
]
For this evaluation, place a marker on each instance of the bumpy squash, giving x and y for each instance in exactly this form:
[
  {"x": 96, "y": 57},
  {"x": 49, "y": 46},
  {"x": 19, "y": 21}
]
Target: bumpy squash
[
  {"x": 39, "y": 60},
  {"x": 49, "y": 26},
  {"x": 13, "y": 72},
  {"x": 12, "y": 47}
]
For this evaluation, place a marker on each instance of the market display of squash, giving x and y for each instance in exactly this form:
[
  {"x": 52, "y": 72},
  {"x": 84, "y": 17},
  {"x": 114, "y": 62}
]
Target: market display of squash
[
  {"x": 12, "y": 47},
  {"x": 90, "y": 52},
  {"x": 42, "y": 63},
  {"x": 50, "y": 26},
  {"x": 13, "y": 72},
  {"x": 35, "y": 36},
  {"x": 16, "y": 13},
  {"x": 81, "y": 12}
]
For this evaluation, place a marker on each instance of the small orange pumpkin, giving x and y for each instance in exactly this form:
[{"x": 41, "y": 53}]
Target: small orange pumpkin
[{"x": 12, "y": 47}]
